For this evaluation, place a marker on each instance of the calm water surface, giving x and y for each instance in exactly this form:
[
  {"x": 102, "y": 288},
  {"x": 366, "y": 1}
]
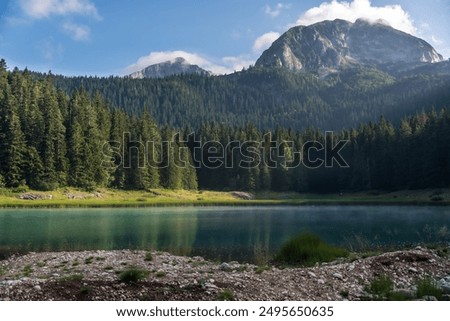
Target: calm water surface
[{"x": 222, "y": 233}]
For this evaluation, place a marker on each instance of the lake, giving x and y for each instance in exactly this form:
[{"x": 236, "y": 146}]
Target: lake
[{"x": 220, "y": 233}]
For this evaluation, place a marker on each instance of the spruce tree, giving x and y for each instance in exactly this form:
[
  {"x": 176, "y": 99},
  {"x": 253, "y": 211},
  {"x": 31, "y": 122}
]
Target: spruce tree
[{"x": 12, "y": 141}]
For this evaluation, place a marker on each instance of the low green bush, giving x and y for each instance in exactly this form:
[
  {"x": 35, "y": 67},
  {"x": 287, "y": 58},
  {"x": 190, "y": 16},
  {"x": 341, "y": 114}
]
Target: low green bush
[
  {"x": 148, "y": 256},
  {"x": 381, "y": 288},
  {"x": 161, "y": 274},
  {"x": 133, "y": 275},
  {"x": 225, "y": 295},
  {"x": 260, "y": 269},
  {"x": 428, "y": 287},
  {"x": 27, "y": 270},
  {"x": 21, "y": 189},
  {"x": 85, "y": 290},
  {"x": 306, "y": 250}
]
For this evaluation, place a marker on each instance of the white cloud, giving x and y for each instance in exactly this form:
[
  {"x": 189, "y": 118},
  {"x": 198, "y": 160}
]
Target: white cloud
[
  {"x": 226, "y": 65},
  {"x": 38, "y": 9},
  {"x": 393, "y": 15},
  {"x": 237, "y": 63},
  {"x": 265, "y": 41},
  {"x": 351, "y": 11},
  {"x": 163, "y": 56},
  {"x": 77, "y": 32},
  {"x": 276, "y": 10}
]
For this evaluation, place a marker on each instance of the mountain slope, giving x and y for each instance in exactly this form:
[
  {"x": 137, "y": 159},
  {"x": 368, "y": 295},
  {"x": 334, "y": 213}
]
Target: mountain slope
[
  {"x": 351, "y": 73},
  {"x": 272, "y": 97},
  {"x": 330, "y": 45},
  {"x": 177, "y": 66}
]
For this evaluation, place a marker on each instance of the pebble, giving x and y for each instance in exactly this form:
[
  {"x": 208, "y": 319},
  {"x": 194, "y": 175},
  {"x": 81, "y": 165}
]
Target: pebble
[
  {"x": 225, "y": 267},
  {"x": 413, "y": 270},
  {"x": 444, "y": 285},
  {"x": 11, "y": 282},
  {"x": 321, "y": 283}
]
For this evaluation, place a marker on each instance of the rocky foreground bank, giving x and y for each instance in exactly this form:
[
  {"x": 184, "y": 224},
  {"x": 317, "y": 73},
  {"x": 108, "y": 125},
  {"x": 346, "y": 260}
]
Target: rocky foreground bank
[{"x": 93, "y": 275}]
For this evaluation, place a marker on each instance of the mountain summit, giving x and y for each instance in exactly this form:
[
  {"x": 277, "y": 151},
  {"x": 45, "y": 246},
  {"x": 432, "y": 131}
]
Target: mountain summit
[
  {"x": 329, "y": 45},
  {"x": 177, "y": 66}
]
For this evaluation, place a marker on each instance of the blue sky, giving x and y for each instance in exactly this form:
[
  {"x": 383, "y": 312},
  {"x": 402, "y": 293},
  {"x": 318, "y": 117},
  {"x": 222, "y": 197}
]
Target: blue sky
[{"x": 108, "y": 37}]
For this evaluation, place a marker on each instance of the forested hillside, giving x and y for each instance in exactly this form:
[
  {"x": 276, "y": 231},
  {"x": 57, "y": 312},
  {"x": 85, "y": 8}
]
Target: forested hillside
[
  {"x": 271, "y": 97},
  {"x": 51, "y": 138}
]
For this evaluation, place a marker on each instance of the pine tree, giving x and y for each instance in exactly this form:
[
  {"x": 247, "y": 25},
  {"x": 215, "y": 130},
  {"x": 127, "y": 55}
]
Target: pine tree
[
  {"x": 85, "y": 144},
  {"x": 12, "y": 140},
  {"x": 266, "y": 180},
  {"x": 118, "y": 147},
  {"x": 171, "y": 174},
  {"x": 189, "y": 174},
  {"x": 53, "y": 145},
  {"x": 151, "y": 139}
]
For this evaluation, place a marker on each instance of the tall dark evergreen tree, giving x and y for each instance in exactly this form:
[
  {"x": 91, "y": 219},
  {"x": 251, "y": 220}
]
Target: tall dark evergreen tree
[
  {"x": 12, "y": 140},
  {"x": 53, "y": 145}
]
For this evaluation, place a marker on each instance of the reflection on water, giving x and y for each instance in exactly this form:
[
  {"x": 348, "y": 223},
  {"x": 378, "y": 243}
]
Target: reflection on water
[{"x": 233, "y": 233}]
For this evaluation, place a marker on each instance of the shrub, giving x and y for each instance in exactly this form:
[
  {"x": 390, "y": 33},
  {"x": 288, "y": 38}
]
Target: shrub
[
  {"x": 344, "y": 294},
  {"x": 260, "y": 269},
  {"x": 160, "y": 274},
  {"x": 225, "y": 295},
  {"x": 381, "y": 288},
  {"x": 428, "y": 287},
  {"x": 27, "y": 270},
  {"x": 47, "y": 186},
  {"x": 148, "y": 256},
  {"x": 133, "y": 275},
  {"x": 21, "y": 189},
  {"x": 85, "y": 290},
  {"x": 306, "y": 250}
]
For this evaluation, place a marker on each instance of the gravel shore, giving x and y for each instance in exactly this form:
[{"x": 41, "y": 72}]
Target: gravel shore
[{"x": 93, "y": 275}]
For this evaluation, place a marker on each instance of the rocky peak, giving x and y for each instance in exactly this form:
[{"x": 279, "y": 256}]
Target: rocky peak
[
  {"x": 173, "y": 67},
  {"x": 333, "y": 44}
]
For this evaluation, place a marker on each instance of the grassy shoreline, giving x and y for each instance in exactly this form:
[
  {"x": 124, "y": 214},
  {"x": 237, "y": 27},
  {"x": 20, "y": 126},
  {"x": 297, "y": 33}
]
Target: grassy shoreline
[{"x": 71, "y": 198}]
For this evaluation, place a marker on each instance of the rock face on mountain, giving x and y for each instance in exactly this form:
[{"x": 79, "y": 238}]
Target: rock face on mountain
[
  {"x": 177, "y": 66},
  {"x": 329, "y": 45}
]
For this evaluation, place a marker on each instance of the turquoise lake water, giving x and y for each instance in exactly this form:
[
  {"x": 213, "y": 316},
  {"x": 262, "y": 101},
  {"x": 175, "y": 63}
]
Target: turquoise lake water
[{"x": 220, "y": 233}]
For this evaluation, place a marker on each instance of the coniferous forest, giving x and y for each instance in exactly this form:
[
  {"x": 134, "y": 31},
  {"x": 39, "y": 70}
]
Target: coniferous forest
[{"x": 57, "y": 132}]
